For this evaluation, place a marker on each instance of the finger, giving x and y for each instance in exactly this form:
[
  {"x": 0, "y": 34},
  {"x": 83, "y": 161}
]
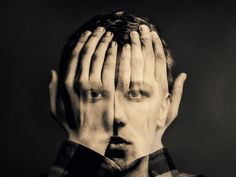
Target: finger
[
  {"x": 176, "y": 95},
  {"x": 56, "y": 104},
  {"x": 160, "y": 62},
  {"x": 72, "y": 66},
  {"x": 124, "y": 68},
  {"x": 88, "y": 51},
  {"x": 137, "y": 61},
  {"x": 70, "y": 98},
  {"x": 57, "y": 114},
  {"x": 98, "y": 59},
  {"x": 108, "y": 72},
  {"x": 53, "y": 93},
  {"x": 146, "y": 38},
  {"x": 148, "y": 53}
]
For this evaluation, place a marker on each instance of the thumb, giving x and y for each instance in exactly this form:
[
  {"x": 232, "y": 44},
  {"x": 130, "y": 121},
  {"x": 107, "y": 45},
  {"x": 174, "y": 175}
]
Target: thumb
[
  {"x": 176, "y": 96},
  {"x": 55, "y": 111},
  {"x": 53, "y": 93}
]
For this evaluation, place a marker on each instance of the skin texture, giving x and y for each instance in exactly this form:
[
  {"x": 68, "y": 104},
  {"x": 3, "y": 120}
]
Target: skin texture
[
  {"x": 91, "y": 95},
  {"x": 141, "y": 99},
  {"x": 138, "y": 109}
]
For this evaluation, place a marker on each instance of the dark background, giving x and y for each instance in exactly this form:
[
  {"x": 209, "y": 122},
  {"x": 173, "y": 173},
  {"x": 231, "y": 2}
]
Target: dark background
[{"x": 202, "y": 37}]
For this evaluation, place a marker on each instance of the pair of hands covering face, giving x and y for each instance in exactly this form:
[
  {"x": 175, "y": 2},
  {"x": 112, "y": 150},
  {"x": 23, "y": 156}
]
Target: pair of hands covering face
[{"x": 91, "y": 93}]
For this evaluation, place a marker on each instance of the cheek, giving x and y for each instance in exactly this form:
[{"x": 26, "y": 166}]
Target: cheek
[
  {"x": 98, "y": 108},
  {"x": 154, "y": 110},
  {"x": 142, "y": 116},
  {"x": 101, "y": 111}
]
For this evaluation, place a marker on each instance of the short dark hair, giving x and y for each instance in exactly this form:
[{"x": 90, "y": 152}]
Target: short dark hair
[{"x": 120, "y": 23}]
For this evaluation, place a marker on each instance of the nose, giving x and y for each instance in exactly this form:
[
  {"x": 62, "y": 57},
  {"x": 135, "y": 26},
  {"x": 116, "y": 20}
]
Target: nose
[{"x": 120, "y": 119}]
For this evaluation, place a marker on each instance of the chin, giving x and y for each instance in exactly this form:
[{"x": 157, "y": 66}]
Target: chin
[
  {"x": 123, "y": 155},
  {"x": 122, "y": 163}
]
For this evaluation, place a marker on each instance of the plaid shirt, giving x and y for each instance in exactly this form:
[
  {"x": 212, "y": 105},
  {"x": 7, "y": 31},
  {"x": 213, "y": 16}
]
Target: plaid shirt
[{"x": 75, "y": 160}]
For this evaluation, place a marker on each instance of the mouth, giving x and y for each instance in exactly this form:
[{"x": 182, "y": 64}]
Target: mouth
[
  {"x": 116, "y": 140},
  {"x": 117, "y": 147}
]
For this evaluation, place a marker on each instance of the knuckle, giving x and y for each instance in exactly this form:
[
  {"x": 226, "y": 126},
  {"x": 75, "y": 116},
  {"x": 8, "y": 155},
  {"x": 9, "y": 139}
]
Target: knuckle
[
  {"x": 104, "y": 40},
  {"x": 95, "y": 55},
  {"x": 123, "y": 57},
  {"x": 75, "y": 53},
  {"x": 110, "y": 52},
  {"x": 85, "y": 50},
  {"x": 160, "y": 57},
  {"x": 82, "y": 40},
  {"x": 135, "y": 42}
]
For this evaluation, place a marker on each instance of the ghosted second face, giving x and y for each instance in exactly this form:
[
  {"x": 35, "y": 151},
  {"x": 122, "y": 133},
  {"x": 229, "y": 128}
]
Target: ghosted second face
[{"x": 136, "y": 112}]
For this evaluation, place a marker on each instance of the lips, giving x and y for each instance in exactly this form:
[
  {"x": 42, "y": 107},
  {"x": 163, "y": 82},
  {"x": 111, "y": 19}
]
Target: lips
[
  {"x": 118, "y": 140},
  {"x": 117, "y": 147}
]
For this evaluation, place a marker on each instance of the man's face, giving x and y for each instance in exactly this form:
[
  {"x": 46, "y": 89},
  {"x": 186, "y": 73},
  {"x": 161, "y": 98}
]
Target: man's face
[
  {"x": 138, "y": 103},
  {"x": 136, "y": 113},
  {"x": 122, "y": 120}
]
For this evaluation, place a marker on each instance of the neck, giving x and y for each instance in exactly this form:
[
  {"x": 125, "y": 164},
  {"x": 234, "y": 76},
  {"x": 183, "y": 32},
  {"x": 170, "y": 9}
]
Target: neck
[{"x": 157, "y": 143}]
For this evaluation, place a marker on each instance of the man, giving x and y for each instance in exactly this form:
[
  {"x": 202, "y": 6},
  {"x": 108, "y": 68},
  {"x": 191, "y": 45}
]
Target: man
[{"x": 112, "y": 98}]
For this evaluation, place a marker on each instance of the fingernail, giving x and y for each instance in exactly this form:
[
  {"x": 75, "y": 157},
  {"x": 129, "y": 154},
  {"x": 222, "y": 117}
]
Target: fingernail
[
  {"x": 113, "y": 44},
  {"x": 52, "y": 75},
  {"x": 184, "y": 77},
  {"x": 100, "y": 28},
  {"x": 144, "y": 28},
  {"x": 86, "y": 33},
  {"x": 154, "y": 34},
  {"x": 134, "y": 34},
  {"x": 127, "y": 46},
  {"x": 108, "y": 33}
]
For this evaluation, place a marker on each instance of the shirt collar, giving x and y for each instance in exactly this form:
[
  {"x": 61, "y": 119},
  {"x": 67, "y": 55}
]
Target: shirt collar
[{"x": 75, "y": 159}]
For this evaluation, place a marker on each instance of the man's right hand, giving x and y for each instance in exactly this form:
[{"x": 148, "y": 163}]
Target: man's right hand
[{"x": 91, "y": 92}]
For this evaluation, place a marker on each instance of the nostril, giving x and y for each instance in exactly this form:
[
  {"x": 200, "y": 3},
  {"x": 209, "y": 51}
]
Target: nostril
[{"x": 117, "y": 124}]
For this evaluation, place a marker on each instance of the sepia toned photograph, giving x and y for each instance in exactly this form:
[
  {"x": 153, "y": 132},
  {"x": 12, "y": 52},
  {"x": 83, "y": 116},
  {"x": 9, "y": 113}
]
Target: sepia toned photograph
[{"x": 118, "y": 88}]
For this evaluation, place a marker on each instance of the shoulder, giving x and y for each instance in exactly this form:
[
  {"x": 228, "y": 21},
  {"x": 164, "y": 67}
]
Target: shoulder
[
  {"x": 189, "y": 175},
  {"x": 174, "y": 173}
]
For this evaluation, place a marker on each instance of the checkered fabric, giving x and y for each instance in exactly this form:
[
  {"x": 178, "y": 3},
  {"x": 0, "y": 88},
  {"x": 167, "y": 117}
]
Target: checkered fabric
[{"x": 75, "y": 160}]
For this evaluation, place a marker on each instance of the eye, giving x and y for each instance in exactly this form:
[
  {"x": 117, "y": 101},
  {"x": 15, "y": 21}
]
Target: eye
[
  {"x": 94, "y": 95},
  {"x": 135, "y": 95}
]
